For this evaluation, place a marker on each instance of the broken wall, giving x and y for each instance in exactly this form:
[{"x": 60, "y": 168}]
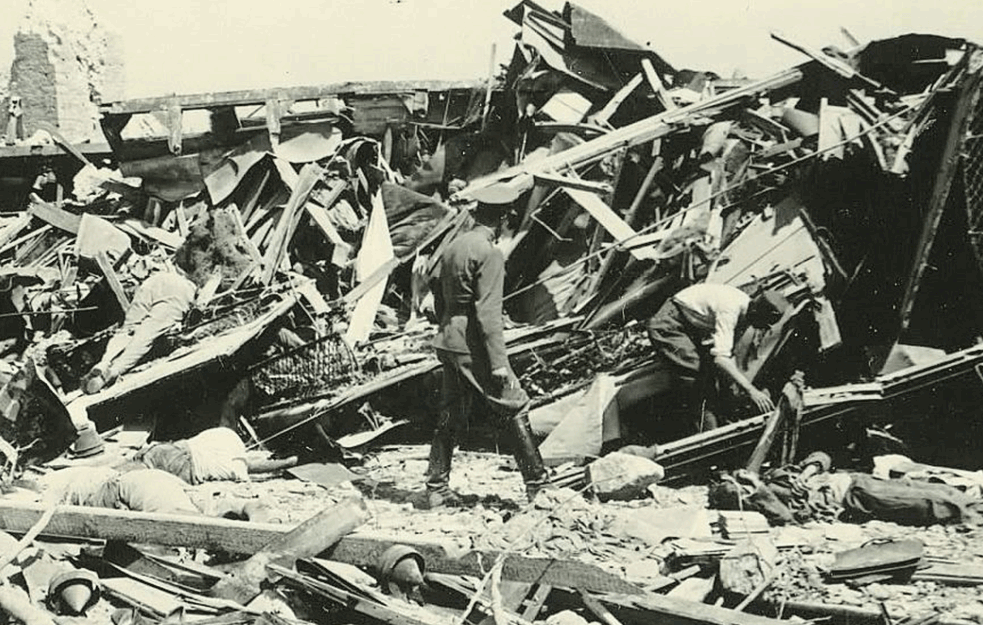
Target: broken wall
[{"x": 65, "y": 63}]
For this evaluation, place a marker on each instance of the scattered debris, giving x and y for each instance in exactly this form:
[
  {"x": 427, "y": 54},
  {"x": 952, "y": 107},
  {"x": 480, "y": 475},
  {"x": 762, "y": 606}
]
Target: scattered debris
[{"x": 216, "y": 358}]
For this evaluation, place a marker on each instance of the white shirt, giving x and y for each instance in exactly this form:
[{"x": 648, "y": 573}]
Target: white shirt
[{"x": 716, "y": 309}]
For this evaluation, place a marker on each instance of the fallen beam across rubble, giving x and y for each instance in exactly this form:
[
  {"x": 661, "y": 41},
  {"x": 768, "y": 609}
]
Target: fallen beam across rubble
[
  {"x": 637, "y": 133},
  {"x": 673, "y": 611},
  {"x": 821, "y": 405},
  {"x": 243, "y": 537}
]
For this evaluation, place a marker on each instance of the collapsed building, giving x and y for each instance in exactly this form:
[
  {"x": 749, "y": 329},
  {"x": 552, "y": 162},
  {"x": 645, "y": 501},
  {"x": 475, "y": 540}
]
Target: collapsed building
[{"x": 312, "y": 219}]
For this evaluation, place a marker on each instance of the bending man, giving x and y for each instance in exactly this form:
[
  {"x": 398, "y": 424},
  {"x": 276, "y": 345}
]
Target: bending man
[{"x": 713, "y": 315}]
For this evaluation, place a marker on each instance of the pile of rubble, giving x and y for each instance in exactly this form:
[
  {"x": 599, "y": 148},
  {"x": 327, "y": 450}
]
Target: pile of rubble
[{"x": 208, "y": 336}]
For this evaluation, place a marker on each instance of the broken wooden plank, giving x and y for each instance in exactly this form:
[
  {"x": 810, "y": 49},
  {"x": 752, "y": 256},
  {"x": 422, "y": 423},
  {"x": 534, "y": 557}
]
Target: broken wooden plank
[
  {"x": 534, "y": 605},
  {"x": 241, "y": 234},
  {"x": 106, "y": 267},
  {"x": 307, "y": 540},
  {"x": 788, "y": 404},
  {"x": 602, "y": 116},
  {"x": 284, "y": 232},
  {"x": 142, "y": 229},
  {"x": 27, "y": 237},
  {"x": 201, "y": 532},
  {"x": 57, "y": 217},
  {"x": 572, "y": 183},
  {"x": 609, "y": 220},
  {"x": 364, "y": 286},
  {"x": 780, "y": 148},
  {"x": 833, "y": 64},
  {"x": 662, "y": 609},
  {"x": 642, "y": 131},
  {"x": 655, "y": 82},
  {"x": 182, "y": 220},
  {"x": 342, "y": 250},
  {"x": 12, "y": 231},
  {"x": 598, "y": 609},
  {"x": 64, "y": 143}
]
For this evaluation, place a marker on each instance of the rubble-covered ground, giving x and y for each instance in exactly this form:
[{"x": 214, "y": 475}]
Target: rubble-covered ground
[{"x": 570, "y": 525}]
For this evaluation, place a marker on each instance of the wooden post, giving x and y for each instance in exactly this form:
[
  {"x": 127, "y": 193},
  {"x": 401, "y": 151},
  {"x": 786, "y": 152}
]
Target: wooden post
[
  {"x": 789, "y": 404},
  {"x": 488, "y": 89},
  {"x": 106, "y": 266},
  {"x": 307, "y": 540}
]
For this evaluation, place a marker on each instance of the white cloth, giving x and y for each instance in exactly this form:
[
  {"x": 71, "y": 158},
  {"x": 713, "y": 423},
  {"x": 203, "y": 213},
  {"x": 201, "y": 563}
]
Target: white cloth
[
  {"x": 217, "y": 454},
  {"x": 715, "y": 309}
]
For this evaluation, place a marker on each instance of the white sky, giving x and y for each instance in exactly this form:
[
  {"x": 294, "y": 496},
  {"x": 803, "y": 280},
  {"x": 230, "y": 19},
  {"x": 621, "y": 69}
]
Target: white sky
[{"x": 186, "y": 46}]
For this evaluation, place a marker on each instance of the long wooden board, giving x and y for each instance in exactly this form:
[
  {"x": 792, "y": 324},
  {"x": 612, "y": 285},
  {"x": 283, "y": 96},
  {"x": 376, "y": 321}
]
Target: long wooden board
[{"x": 360, "y": 549}]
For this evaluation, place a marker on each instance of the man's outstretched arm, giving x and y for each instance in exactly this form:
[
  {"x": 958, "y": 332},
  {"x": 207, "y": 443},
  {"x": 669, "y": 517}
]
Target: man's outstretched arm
[{"x": 758, "y": 397}]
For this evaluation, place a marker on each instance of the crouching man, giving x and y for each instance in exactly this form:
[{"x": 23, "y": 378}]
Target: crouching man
[
  {"x": 471, "y": 347},
  {"x": 710, "y": 315},
  {"x": 159, "y": 304}
]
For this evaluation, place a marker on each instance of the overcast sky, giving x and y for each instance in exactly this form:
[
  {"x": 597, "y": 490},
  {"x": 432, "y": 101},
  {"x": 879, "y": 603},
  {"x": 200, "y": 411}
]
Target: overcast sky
[{"x": 185, "y": 46}]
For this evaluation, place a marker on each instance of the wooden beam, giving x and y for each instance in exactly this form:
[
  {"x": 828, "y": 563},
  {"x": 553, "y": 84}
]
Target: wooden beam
[
  {"x": 307, "y": 540},
  {"x": 654, "y": 608},
  {"x": 962, "y": 113},
  {"x": 615, "y": 102},
  {"x": 57, "y": 217},
  {"x": 656, "y": 83},
  {"x": 106, "y": 267},
  {"x": 572, "y": 183},
  {"x": 290, "y": 218},
  {"x": 260, "y": 96},
  {"x": 642, "y": 131},
  {"x": 62, "y": 141},
  {"x": 201, "y": 532}
]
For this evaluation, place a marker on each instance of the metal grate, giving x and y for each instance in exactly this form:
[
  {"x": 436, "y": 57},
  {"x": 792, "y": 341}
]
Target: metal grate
[
  {"x": 972, "y": 166},
  {"x": 313, "y": 369}
]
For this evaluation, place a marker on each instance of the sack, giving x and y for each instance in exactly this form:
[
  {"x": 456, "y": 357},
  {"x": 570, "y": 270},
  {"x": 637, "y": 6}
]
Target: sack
[{"x": 907, "y": 503}]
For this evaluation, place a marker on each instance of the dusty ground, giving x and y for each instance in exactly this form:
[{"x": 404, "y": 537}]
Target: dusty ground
[
  {"x": 569, "y": 526},
  {"x": 588, "y": 531}
]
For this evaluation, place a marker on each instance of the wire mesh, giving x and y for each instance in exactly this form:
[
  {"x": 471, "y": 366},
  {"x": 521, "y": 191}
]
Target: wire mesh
[
  {"x": 311, "y": 370},
  {"x": 972, "y": 167}
]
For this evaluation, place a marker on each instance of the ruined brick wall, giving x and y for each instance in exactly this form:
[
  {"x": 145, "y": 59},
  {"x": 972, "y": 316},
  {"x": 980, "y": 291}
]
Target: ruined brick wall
[{"x": 65, "y": 62}]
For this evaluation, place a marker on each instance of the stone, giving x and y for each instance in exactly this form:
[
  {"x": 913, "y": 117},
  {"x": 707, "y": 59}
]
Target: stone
[
  {"x": 622, "y": 477},
  {"x": 643, "y": 571},
  {"x": 747, "y": 565},
  {"x": 879, "y": 592}
]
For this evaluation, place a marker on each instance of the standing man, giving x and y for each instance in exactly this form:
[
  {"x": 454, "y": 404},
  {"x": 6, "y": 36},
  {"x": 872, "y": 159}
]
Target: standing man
[
  {"x": 693, "y": 334},
  {"x": 471, "y": 348}
]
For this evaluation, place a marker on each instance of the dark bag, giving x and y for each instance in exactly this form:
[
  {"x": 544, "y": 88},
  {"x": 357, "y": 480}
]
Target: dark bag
[{"x": 907, "y": 503}]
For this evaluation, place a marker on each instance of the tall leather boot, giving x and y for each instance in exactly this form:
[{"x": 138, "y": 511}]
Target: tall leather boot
[
  {"x": 439, "y": 493},
  {"x": 441, "y": 453},
  {"x": 526, "y": 453}
]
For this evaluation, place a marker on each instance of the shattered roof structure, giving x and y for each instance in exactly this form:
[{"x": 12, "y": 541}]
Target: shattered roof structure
[{"x": 310, "y": 223}]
